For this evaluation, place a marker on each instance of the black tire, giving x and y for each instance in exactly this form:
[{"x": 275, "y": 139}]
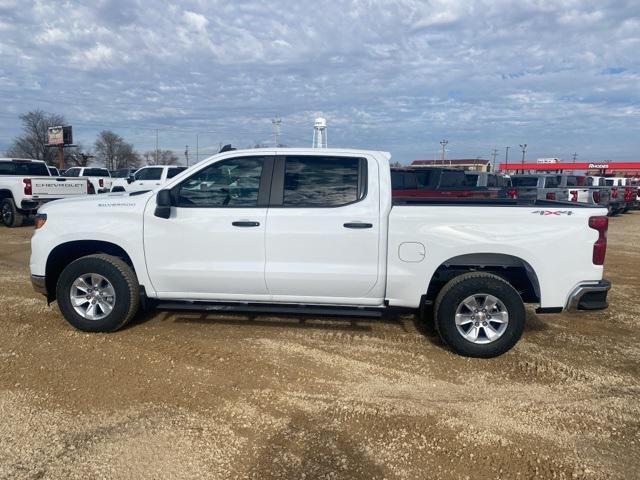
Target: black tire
[
  {"x": 121, "y": 277},
  {"x": 11, "y": 217},
  {"x": 477, "y": 283}
]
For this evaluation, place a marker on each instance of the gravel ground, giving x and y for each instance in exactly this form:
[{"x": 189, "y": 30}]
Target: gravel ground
[{"x": 235, "y": 396}]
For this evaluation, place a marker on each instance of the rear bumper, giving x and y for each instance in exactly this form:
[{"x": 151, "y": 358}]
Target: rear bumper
[
  {"x": 589, "y": 296},
  {"x": 39, "y": 284}
]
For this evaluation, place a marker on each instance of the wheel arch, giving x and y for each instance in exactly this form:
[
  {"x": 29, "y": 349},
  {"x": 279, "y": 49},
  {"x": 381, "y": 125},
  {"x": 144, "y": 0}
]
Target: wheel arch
[
  {"x": 65, "y": 253},
  {"x": 515, "y": 270},
  {"x": 5, "y": 193}
]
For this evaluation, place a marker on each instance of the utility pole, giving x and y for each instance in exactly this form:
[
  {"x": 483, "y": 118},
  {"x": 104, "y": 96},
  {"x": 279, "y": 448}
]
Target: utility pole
[
  {"x": 197, "y": 150},
  {"x": 575, "y": 155},
  {"x": 186, "y": 153},
  {"x": 156, "y": 146},
  {"x": 524, "y": 149},
  {"x": 494, "y": 154},
  {"x": 276, "y": 130},
  {"x": 443, "y": 143},
  {"x": 506, "y": 159}
]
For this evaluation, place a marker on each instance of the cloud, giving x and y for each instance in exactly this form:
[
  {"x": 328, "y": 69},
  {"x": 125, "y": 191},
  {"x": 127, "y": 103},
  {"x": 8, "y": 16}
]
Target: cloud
[{"x": 561, "y": 76}]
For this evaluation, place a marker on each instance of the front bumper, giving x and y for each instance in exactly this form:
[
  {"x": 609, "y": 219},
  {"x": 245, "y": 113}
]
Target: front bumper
[
  {"x": 589, "y": 296},
  {"x": 39, "y": 284}
]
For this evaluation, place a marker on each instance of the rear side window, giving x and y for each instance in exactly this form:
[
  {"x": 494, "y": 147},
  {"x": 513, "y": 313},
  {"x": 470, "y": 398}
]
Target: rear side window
[
  {"x": 452, "y": 179},
  {"x": 397, "y": 180},
  {"x": 572, "y": 181},
  {"x": 322, "y": 181},
  {"x": 471, "y": 180},
  {"x": 95, "y": 172},
  {"x": 524, "y": 181},
  {"x": 172, "y": 172},
  {"x": 492, "y": 181},
  {"x": 551, "y": 182},
  {"x": 608, "y": 182},
  {"x": 72, "y": 172},
  {"x": 25, "y": 169},
  {"x": 153, "y": 173},
  {"x": 423, "y": 177}
]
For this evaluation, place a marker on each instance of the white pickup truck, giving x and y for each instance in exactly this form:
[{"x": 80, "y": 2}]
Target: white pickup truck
[
  {"x": 99, "y": 177},
  {"x": 26, "y": 184},
  {"x": 316, "y": 231},
  {"x": 146, "y": 178}
]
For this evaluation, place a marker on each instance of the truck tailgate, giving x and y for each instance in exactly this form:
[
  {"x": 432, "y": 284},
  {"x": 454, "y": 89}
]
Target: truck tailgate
[{"x": 57, "y": 187}]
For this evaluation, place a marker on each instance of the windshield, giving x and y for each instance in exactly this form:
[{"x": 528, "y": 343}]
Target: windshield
[{"x": 24, "y": 168}]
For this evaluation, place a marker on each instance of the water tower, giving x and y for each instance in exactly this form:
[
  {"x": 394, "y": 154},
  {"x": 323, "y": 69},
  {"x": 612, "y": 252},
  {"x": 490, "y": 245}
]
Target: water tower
[{"x": 320, "y": 133}]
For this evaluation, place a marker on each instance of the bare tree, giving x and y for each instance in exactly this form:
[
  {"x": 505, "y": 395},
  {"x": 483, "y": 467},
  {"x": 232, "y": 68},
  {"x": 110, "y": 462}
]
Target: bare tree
[
  {"x": 114, "y": 152},
  {"x": 77, "y": 157},
  {"x": 165, "y": 157},
  {"x": 31, "y": 144}
]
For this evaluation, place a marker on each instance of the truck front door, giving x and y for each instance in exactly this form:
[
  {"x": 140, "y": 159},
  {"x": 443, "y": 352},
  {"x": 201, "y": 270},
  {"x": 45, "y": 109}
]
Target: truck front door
[{"x": 213, "y": 244}]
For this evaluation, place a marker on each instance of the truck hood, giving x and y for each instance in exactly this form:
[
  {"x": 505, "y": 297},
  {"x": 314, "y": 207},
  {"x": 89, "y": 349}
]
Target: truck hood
[{"x": 89, "y": 202}]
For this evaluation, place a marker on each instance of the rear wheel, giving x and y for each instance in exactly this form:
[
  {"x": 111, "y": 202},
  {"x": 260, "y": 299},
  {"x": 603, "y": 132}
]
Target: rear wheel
[
  {"x": 11, "y": 217},
  {"x": 479, "y": 315},
  {"x": 98, "y": 293}
]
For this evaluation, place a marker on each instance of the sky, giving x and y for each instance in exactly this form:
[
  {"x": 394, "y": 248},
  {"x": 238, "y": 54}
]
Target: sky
[{"x": 562, "y": 76}]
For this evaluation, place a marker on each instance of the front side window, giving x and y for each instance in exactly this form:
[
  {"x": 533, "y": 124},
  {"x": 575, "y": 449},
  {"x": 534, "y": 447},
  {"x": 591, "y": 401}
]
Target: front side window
[
  {"x": 228, "y": 183},
  {"x": 153, "y": 173},
  {"x": 72, "y": 172},
  {"x": 321, "y": 181}
]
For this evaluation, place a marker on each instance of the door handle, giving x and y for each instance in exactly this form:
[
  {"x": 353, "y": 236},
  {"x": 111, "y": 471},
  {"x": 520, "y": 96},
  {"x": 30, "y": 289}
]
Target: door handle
[
  {"x": 245, "y": 223},
  {"x": 357, "y": 225}
]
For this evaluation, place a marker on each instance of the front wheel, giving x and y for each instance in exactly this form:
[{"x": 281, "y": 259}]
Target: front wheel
[
  {"x": 98, "y": 293},
  {"x": 479, "y": 315}
]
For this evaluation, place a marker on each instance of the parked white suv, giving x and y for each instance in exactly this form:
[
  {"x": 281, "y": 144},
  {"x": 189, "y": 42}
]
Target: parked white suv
[
  {"x": 317, "y": 231},
  {"x": 26, "y": 184},
  {"x": 100, "y": 178},
  {"x": 147, "y": 178}
]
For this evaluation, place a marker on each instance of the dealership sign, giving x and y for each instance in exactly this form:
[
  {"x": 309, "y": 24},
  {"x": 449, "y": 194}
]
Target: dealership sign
[
  {"x": 59, "y": 136},
  {"x": 571, "y": 166}
]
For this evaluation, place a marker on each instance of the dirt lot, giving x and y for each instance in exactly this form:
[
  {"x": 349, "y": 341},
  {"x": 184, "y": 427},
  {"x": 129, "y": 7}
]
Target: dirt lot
[{"x": 185, "y": 395}]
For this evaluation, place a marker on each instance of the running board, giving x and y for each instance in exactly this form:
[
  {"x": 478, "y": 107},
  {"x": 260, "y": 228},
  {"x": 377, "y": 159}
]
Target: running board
[{"x": 316, "y": 310}]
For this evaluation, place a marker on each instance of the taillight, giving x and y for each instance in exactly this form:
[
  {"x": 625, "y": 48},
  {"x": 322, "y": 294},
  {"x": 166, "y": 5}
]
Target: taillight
[
  {"x": 614, "y": 192},
  {"x": 628, "y": 194},
  {"x": 513, "y": 193},
  {"x": 28, "y": 189},
  {"x": 574, "y": 195},
  {"x": 101, "y": 182},
  {"x": 600, "y": 247},
  {"x": 551, "y": 196},
  {"x": 596, "y": 196}
]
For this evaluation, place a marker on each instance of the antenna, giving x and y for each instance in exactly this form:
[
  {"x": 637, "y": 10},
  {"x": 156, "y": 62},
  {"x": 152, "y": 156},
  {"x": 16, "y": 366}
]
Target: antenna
[{"x": 320, "y": 133}]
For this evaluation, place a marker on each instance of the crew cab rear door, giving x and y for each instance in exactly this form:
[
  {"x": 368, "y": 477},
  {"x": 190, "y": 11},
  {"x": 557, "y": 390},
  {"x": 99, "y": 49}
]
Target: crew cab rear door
[{"x": 323, "y": 230}]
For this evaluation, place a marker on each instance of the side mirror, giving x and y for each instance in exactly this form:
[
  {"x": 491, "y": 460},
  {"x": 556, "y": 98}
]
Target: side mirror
[
  {"x": 163, "y": 204},
  {"x": 131, "y": 178}
]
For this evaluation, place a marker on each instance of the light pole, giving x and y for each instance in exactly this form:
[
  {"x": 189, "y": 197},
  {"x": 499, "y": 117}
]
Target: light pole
[
  {"x": 524, "y": 149},
  {"x": 443, "y": 143},
  {"x": 506, "y": 159}
]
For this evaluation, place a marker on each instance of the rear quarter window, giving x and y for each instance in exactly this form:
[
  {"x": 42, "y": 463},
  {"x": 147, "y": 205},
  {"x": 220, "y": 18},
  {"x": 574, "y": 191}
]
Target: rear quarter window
[{"x": 450, "y": 179}]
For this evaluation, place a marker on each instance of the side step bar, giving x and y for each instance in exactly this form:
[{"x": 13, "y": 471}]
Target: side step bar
[{"x": 284, "y": 309}]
